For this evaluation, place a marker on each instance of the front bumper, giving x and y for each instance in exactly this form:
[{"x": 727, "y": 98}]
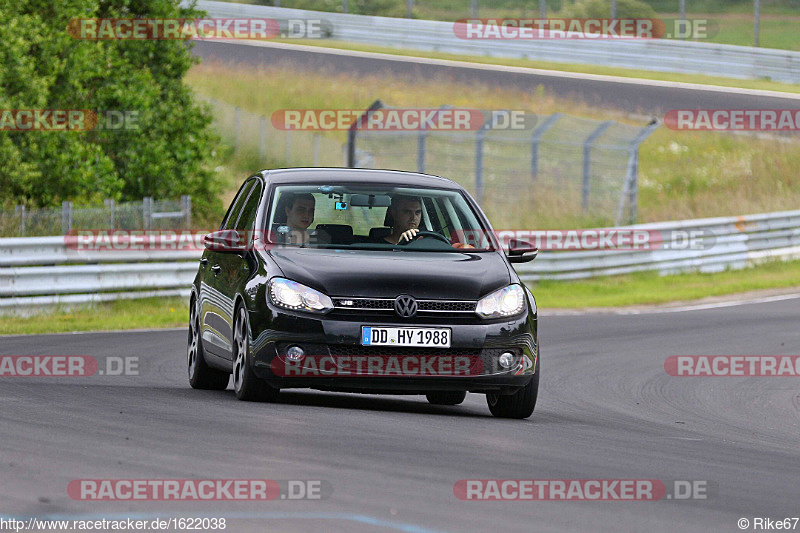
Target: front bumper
[{"x": 335, "y": 343}]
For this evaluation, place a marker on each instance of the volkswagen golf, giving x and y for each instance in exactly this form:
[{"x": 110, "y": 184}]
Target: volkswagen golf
[{"x": 360, "y": 280}]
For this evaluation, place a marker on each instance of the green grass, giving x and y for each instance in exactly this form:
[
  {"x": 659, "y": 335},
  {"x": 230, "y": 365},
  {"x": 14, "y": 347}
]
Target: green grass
[
  {"x": 650, "y": 288},
  {"x": 121, "y": 314},
  {"x": 634, "y": 289},
  {"x": 775, "y": 31},
  {"x": 683, "y": 174}
]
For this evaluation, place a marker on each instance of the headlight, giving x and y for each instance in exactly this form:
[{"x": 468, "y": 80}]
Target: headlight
[
  {"x": 508, "y": 301},
  {"x": 297, "y": 297}
]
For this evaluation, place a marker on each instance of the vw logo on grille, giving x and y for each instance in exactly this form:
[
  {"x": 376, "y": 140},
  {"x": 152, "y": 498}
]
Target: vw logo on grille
[{"x": 405, "y": 306}]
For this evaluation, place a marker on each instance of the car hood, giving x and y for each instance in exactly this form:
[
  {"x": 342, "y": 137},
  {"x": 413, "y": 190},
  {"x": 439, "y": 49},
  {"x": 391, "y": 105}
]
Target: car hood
[{"x": 379, "y": 274}]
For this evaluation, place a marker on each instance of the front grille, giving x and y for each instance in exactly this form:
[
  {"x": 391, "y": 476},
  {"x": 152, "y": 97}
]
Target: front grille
[
  {"x": 387, "y": 304},
  {"x": 364, "y": 304},
  {"x": 440, "y": 305}
]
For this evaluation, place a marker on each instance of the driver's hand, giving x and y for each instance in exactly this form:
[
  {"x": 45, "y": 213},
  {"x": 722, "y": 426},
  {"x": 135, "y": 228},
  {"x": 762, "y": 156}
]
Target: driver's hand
[{"x": 408, "y": 235}]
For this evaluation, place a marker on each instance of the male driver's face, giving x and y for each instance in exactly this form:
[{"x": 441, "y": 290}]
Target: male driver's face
[
  {"x": 301, "y": 215},
  {"x": 407, "y": 215}
]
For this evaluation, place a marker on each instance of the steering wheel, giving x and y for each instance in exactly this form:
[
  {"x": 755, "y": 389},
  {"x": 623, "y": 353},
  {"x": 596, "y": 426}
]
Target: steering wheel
[{"x": 425, "y": 233}]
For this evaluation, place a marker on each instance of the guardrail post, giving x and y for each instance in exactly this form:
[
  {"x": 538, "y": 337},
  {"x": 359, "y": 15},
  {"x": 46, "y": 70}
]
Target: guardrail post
[
  {"x": 66, "y": 217},
  {"x": 409, "y": 9},
  {"x": 110, "y": 206},
  {"x": 422, "y": 144},
  {"x": 262, "y": 145},
  {"x": 474, "y": 9},
  {"x": 536, "y": 137},
  {"x": 186, "y": 209},
  {"x": 630, "y": 188},
  {"x": 683, "y": 19},
  {"x": 19, "y": 210},
  {"x": 587, "y": 162},
  {"x": 147, "y": 212},
  {"x": 237, "y": 126},
  {"x": 756, "y": 22},
  {"x": 288, "y": 146},
  {"x": 353, "y": 131},
  {"x": 422, "y": 138},
  {"x": 480, "y": 137}
]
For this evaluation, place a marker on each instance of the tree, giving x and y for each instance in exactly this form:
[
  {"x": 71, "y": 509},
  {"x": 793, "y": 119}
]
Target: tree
[{"x": 43, "y": 67}]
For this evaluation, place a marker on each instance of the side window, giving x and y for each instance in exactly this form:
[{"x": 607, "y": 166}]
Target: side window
[
  {"x": 248, "y": 215},
  {"x": 236, "y": 207}
]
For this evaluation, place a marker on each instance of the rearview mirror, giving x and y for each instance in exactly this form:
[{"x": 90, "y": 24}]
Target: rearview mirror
[
  {"x": 226, "y": 240},
  {"x": 521, "y": 251},
  {"x": 370, "y": 200}
]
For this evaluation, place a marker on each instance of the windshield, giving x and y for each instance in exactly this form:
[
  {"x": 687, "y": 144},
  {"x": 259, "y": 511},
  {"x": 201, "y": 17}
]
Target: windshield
[{"x": 374, "y": 217}]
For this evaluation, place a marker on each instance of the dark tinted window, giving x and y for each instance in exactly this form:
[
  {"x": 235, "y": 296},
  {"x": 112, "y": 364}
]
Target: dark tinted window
[
  {"x": 236, "y": 207},
  {"x": 248, "y": 215}
]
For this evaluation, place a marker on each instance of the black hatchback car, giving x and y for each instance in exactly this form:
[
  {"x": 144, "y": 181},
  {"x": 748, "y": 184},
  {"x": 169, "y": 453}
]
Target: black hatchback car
[{"x": 371, "y": 281}]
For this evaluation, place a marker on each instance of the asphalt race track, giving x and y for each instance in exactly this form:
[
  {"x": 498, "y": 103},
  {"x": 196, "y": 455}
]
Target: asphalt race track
[
  {"x": 607, "y": 410},
  {"x": 637, "y": 96}
]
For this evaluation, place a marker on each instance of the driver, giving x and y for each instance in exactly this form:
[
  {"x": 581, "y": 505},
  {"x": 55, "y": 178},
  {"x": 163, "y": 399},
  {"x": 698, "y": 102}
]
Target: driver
[{"x": 406, "y": 212}]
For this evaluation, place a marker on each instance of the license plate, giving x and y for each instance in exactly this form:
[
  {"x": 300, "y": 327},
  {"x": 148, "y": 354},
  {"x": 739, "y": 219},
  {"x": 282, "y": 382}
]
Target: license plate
[{"x": 414, "y": 337}]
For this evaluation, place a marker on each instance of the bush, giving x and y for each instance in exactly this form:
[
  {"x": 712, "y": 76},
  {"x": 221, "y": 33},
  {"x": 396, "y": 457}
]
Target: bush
[{"x": 43, "y": 67}]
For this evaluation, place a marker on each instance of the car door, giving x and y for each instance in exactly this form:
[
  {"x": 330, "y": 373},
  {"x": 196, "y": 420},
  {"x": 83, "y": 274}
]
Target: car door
[
  {"x": 235, "y": 268},
  {"x": 216, "y": 304}
]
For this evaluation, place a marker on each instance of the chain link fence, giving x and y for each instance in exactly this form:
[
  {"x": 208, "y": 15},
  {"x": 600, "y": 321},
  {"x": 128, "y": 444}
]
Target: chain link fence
[
  {"x": 148, "y": 214},
  {"x": 253, "y": 133},
  {"x": 570, "y": 166}
]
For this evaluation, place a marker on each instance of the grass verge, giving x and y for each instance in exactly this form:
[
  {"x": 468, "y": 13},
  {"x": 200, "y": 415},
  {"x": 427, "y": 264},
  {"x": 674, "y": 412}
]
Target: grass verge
[
  {"x": 645, "y": 288},
  {"x": 648, "y": 288},
  {"x": 121, "y": 314}
]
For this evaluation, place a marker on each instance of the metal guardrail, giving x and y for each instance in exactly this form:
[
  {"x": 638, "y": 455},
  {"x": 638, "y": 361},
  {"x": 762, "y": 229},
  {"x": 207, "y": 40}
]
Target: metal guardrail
[
  {"x": 647, "y": 54},
  {"x": 41, "y": 271},
  {"x": 739, "y": 242}
]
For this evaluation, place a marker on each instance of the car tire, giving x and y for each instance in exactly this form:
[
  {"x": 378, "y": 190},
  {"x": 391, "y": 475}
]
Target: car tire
[
  {"x": 247, "y": 386},
  {"x": 446, "y": 397},
  {"x": 518, "y": 405},
  {"x": 201, "y": 376}
]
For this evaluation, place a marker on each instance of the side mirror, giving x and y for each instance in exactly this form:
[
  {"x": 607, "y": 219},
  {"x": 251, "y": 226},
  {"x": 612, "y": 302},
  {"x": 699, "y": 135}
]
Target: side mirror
[
  {"x": 226, "y": 240},
  {"x": 521, "y": 251}
]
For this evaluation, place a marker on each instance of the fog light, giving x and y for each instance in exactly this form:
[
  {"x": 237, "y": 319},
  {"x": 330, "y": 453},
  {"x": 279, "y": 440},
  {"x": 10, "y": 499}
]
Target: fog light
[
  {"x": 295, "y": 353},
  {"x": 506, "y": 360}
]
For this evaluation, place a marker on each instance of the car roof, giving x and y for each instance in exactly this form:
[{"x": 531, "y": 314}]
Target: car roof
[{"x": 345, "y": 175}]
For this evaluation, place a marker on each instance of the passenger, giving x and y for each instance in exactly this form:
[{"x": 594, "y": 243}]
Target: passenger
[{"x": 299, "y": 216}]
